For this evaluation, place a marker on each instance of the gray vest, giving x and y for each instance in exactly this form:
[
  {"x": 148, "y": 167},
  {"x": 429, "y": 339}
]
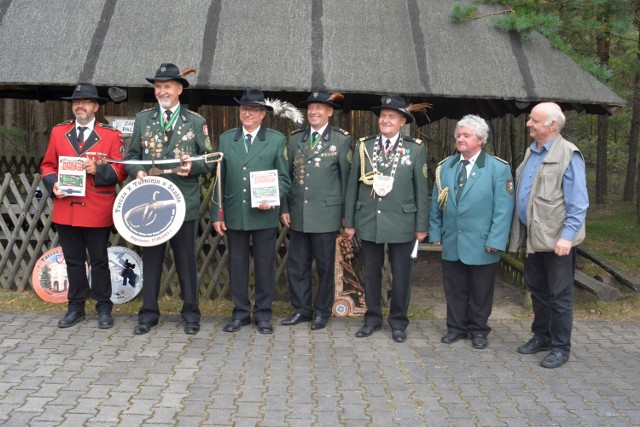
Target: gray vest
[{"x": 546, "y": 210}]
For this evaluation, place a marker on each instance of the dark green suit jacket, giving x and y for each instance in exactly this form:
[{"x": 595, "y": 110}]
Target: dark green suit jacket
[
  {"x": 190, "y": 136},
  {"x": 318, "y": 180},
  {"x": 395, "y": 217},
  {"x": 267, "y": 152}
]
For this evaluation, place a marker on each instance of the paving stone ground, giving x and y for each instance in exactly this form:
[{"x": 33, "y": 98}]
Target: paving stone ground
[{"x": 86, "y": 376}]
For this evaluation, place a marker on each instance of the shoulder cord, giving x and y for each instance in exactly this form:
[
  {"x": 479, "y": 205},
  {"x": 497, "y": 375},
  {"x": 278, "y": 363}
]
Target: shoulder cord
[
  {"x": 443, "y": 194},
  {"x": 366, "y": 177}
]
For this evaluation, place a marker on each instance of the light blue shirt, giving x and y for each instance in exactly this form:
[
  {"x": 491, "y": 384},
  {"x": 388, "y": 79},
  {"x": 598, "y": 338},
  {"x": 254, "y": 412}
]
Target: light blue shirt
[{"x": 574, "y": 186}]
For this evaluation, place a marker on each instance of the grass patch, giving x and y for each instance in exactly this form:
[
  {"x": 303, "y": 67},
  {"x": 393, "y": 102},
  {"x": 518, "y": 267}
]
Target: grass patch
[
  {"x": 612, "y": 233},
  {"x": 29, "y": 301},
  {"x": 588, "y": 307}
]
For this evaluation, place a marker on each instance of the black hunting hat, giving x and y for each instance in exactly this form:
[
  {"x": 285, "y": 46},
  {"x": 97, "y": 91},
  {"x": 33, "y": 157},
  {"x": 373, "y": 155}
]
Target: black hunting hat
[
  {"x": 253, "y": 96},
  {"x": 168, "y": 71},
  {"x": 86, "y": 91},
  {"x": 394, "y": 102},
  {"x": 323, "y": 97}
]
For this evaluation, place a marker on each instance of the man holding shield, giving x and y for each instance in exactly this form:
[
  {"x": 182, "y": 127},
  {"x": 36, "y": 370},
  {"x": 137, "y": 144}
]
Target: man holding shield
[{"x": 170, "y": 131}]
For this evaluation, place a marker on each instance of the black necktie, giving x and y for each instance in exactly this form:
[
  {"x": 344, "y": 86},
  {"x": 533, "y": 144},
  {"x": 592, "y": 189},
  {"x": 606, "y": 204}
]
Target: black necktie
[
  {"x": 169, "y": 131},
  {"x": 387, "y": 144},
  {"x": 81, "y": 130},
  {"x": 462, "y": 178},
  {"x": 248, "y": 140},
  {"x": 314, "y": 139}
]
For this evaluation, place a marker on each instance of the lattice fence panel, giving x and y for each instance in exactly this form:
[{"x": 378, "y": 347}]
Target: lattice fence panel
[{"x": 26, "y": 232}]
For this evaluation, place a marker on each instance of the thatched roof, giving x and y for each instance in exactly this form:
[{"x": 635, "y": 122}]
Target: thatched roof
[{"x": 363, "y": 48}]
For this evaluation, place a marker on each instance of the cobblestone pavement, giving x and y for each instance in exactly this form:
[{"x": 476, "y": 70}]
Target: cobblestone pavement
[{"x": 87, "y": 376}]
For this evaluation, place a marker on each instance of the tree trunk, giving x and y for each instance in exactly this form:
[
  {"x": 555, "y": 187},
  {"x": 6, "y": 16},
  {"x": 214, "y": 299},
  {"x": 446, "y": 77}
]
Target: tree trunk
[
  {"x": 603, "y": 129},
  {"x": 40, "y": 135},
  {"x": 8, "y": 121},
  {"x": 638, "y": 199},
  {"x": 601, "y": 163},
  {"x": 629, "y": 182}
]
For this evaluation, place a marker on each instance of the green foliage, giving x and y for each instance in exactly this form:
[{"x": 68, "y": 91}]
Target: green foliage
[
  {"x": 525, "y": 23},
  {"x": 573, "y": 26},
  {"x": 462, "y": 13},
  {"x": 13, "y": 134}
]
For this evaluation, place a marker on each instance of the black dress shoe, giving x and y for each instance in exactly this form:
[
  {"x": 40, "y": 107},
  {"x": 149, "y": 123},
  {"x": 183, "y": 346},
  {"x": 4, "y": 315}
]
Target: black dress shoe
[
  {"x": 554, "y": 359},
  {"x": 319, "y": 322},
  {"x": 534, "y": 345},
  {"x": 367, "y": 331},
  {"x": 479, "y": 342},
  {"x": 105, "y": 320},
  {"x": 191, "y": 328},
  {"x": 452, "y": 337},
  {"x": 234, "y": 325},
  {"x": 141, "y": 328},
  {"x": 71, "y": 318},
  {"x": 264, "y": 327},
  {"x": 399, "y": 335},
  {"x": 294, "y": 319}
]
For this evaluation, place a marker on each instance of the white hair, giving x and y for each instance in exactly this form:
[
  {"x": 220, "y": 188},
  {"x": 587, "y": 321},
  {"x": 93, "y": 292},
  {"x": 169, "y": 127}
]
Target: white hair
[
  {"x": 553, "y": 113},
  {"x": 478, "y": 124}
]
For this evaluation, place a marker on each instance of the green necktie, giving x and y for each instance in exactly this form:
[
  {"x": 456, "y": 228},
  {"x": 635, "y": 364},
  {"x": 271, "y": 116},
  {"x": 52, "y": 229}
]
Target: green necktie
[{"x": 462, "y": 179}]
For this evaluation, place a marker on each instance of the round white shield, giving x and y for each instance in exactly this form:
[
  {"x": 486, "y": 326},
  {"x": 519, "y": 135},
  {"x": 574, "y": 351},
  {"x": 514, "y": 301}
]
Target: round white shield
[
  {"x": 126, "y": 274},
  {"x": 149, "y": 212}
]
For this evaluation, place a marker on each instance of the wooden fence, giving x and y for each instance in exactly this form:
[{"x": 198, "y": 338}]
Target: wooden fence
[{"x": 26, "y": 233}]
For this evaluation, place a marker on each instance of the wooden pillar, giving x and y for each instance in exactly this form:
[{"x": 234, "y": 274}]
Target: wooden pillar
[{"x": 135, "y": 101}]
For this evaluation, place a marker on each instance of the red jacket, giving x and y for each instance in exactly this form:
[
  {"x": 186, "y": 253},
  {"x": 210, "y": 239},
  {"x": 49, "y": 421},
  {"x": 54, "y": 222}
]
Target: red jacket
[{"x": 94, "y": 209}]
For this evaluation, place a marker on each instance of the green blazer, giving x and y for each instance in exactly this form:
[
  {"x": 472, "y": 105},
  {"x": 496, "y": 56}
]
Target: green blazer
[
  {"x": 190, "y": 135},
  {"x": 481, "y": 218},
  {"x": 395, "y": 217},
  {"x": 268, "y": 151},
  {"x": 318, "y": 180}
]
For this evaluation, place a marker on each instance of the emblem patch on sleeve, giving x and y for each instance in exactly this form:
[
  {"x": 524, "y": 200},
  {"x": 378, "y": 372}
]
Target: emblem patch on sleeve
[
  {"x": 286, "y": 154},
  {"x": 510, "y": 187},
  {"x": 205, "y": 130},
  {"x": 424, "y": 170}
]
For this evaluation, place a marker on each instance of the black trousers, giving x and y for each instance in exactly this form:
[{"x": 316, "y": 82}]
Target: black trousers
[
  {"x": 76, "y": 242},
  {"x": 264, "y": 262},
  {"x": 183, "y": 246},
  {"x": 400, "y": 260},
  {"x": 469, "y": 293},
  {"x": 549, "y": 278},
  {"x": 303, "y": 248}
]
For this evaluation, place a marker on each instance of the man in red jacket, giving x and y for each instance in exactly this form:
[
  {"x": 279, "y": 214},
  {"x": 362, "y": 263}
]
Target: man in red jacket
[{"x": 84, "y": 223}]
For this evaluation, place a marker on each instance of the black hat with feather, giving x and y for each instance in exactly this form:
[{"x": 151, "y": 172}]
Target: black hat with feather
[
  {"x": 168, "y": 71},
  {"x": 253, "y": 96},
  {"x": 398, "y": 103},
  {"x": 323, "y": 97}
]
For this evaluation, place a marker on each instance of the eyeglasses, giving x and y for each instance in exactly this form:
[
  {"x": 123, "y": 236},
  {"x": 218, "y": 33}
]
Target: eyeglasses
[{"x": 251, "y": 110}]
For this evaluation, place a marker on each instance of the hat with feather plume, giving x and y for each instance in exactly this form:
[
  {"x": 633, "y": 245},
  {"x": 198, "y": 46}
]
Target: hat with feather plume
[
  {"x": 168, "y": 71},
  {"x": 323, "y": 97},
  {"x": 395, "y": 102},
  {"x": 252, "y": 96}
]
